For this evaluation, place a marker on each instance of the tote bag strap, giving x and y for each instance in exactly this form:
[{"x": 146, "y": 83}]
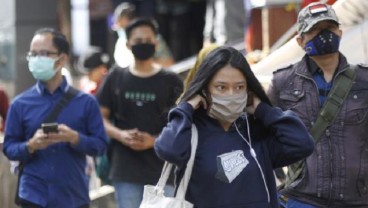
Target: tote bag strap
[
  {"x": 182, "y": 189},
  {"x": 166, "y": 170}
]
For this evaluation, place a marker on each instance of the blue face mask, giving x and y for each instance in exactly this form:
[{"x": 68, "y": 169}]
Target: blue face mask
[
  {"x": 42, "y": 68},
  {"x": 325, "y": 42}
]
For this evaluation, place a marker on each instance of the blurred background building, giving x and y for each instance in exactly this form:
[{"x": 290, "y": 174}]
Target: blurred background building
[{"x": 181, "y": 23}]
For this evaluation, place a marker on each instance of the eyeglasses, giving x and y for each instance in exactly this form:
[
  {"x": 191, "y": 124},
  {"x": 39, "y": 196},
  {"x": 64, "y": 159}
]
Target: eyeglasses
[{"x": 40, "y": 53}]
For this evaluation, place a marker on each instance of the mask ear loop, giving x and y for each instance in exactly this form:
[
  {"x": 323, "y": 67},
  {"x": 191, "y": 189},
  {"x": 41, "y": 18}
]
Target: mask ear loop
[
  {"x": 57, "y": 62},
  {"x": 253, "y": 153}
]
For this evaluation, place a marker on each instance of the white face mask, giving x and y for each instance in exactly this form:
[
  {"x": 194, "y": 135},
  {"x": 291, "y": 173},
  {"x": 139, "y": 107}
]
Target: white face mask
[
  {"x": 42, "y": 68},
  {"x": 227, "y": 108},
  {"x": 121, "y": 33}
]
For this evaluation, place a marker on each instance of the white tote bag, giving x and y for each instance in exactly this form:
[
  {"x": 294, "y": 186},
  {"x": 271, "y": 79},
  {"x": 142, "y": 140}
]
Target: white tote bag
[{"x": 153, "y": 196}]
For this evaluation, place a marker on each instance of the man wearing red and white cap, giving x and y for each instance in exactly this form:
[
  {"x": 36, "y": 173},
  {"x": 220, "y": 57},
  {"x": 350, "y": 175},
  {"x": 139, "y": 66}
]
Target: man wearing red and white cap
[
  {"x": 306, "y": 2},
  {"x": 336, "y": 174}
]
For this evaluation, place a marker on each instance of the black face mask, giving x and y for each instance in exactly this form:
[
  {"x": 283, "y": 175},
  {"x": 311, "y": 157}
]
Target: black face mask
[
  {"x": 143, "y": 51},
  {"x": 325, "y": 42}
]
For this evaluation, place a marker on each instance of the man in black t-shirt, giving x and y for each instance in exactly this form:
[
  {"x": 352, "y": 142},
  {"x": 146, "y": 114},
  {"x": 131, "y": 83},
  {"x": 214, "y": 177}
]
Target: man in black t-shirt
[{"x": 134, "y": 102}]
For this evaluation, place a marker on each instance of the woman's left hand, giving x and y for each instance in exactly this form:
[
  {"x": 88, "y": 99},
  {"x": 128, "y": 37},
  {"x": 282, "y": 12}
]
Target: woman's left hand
[{"x": 252, "y": 108}]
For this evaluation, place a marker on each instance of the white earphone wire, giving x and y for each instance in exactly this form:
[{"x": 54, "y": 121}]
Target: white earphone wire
[{"x": 253, "y": 153}]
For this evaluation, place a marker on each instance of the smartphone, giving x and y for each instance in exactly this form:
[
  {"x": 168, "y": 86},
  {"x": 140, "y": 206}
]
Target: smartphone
[{"x": 49, "y": 128}]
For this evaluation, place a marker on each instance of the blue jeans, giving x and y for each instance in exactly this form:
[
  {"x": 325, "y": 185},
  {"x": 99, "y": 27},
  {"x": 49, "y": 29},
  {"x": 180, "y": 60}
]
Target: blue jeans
[
  {"x": 129, "y": 195},
  {"x": 292, "y": 203}
]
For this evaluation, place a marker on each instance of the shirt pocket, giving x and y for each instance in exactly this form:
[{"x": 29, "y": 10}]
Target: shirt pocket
[
  {"x": 296, "y": 101},
  {"x": 290, "y": 98},
  {"x": 356, "y": 107}
]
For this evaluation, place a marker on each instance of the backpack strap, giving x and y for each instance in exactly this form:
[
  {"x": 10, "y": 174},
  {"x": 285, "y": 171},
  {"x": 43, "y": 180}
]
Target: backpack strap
[{"x": 327, "y": 115}]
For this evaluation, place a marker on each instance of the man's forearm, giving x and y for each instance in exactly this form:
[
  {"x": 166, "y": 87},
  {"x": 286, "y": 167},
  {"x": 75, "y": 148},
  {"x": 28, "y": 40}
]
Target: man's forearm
[{"x": 112, "y": 131}]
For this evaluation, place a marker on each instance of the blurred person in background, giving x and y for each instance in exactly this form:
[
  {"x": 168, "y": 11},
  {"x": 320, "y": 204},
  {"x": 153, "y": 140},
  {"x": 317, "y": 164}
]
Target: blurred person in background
[
  {"x": 8, "y": 181},
  {"x": 95, "y": 65},
  {"x": 4, "y": 105},
  {"x": 181, "y": 25},
  {"x": 99, "y": 11},
  {"x": 144, "y": 8},
  {"x": 134, "y": 102},
  {"x": 199, "y": 59},
  {"x": 124, "y": 13},
  {"x": 227, "y": 21}
]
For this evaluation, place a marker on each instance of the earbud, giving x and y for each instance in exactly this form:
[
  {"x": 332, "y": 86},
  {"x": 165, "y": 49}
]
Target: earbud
[{"x": 253, "y": 153}]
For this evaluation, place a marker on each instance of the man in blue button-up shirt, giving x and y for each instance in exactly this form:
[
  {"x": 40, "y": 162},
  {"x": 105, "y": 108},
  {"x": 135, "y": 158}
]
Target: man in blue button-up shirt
[{"x": 54, "y": 163}]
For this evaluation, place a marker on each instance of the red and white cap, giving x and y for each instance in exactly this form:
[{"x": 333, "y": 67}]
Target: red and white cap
[{"x": 314, "y": 13}]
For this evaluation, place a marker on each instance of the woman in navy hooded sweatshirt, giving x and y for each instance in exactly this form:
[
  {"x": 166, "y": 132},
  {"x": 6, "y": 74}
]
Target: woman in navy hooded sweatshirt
[{"x": 239, "y": 144}]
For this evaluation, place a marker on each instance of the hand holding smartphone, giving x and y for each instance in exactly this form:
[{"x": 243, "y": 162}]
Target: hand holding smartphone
[{"x": 49, "y": 128}]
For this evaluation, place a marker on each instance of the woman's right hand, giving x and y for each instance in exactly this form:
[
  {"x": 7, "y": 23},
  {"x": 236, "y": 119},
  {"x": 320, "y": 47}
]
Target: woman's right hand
[{"x": 197, "y": 101}]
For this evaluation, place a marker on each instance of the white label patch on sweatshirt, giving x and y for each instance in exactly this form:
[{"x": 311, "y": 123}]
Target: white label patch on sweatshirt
[{"x": 230, "y": 165}]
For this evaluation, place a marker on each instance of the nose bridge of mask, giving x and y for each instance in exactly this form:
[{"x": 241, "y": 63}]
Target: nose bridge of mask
[
  {"x": 42, "y": 60},
  {"x": 233, "y": 97}
]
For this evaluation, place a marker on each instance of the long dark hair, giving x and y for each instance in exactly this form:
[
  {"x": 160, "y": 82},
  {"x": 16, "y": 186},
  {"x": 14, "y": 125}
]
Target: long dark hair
[{"x": 216, "y": 60}]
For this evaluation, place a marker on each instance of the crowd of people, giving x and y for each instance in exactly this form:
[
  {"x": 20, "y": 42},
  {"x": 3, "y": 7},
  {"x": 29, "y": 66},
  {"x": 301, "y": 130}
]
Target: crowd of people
[
  {"x": 136, "y": 113},
  {"x": 184, "y": 25}
]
